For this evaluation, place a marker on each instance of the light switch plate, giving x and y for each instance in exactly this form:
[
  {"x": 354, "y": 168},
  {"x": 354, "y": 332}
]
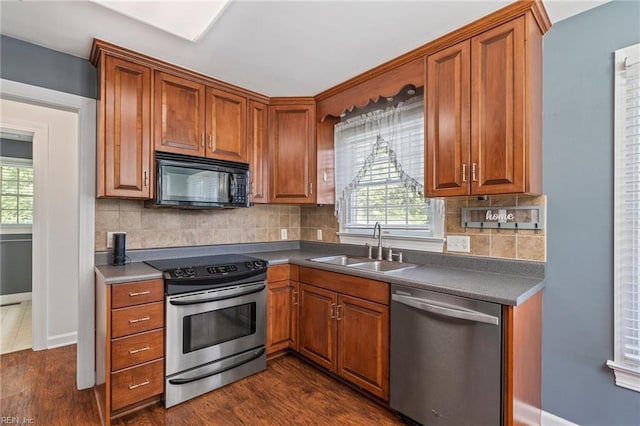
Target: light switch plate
[
  {"x": 458, "y": 243},
  {"x": 319, "y": 235}
]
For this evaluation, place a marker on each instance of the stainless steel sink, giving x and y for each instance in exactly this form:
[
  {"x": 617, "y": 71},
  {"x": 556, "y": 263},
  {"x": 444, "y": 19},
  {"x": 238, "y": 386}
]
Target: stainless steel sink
[
  {"x": 339, "y": 260},
  {"x": 381, "y": 266}
]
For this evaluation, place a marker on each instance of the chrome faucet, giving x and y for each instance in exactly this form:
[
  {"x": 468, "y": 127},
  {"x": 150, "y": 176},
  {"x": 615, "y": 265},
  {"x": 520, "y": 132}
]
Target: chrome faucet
[{"x": 379, "y": 228}]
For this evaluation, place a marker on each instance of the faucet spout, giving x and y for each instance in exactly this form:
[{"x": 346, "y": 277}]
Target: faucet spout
[{"x": 379, "y": 229}]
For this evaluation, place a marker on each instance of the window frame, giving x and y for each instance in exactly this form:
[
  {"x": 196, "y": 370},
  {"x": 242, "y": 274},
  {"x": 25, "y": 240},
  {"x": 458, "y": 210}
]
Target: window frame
[
  {"x": 17, "y": 228},
  {"x": 626, "y": 375}
]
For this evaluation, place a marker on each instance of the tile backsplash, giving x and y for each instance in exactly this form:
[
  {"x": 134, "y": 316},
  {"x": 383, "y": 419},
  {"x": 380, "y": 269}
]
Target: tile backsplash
[{"x": 153, "y": 228}]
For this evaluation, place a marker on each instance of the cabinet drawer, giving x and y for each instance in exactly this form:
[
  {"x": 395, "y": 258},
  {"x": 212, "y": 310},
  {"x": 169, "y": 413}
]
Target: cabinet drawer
[
  {"x": 364, "y": 288},
  {"x": 277, "y": 273},
  {"x": 136, "y": 349},
  {"x": 137, "y": 384},
  {"x": 136, "y": 293},
  {"x": 136, "y": 319}
]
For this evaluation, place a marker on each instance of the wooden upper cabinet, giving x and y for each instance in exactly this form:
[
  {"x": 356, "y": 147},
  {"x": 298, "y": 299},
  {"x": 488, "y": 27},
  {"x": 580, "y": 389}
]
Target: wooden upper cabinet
[
  {"x": 325, "y": 164},
  {"x": 180, "y": 115},
  {"x": 124, "y": 157},
  {"x": 226, "y": 126},
  {"x": 484, "y": 113},
  {"x": 498, "y": 110},
  {"x": 447, "y": 115},
  {"x": 292, "y": 152},
  {"x": 258, "y": 151}
]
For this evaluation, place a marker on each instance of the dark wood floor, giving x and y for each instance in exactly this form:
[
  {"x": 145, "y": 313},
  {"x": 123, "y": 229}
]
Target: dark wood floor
[{"x": 41, "y": 386}]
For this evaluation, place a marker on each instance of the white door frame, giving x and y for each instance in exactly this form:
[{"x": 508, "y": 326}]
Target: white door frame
[{"x": 86, "y": 110}]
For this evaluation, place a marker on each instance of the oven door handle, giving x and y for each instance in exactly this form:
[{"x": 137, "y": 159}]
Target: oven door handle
[
  {"x": 215, "y": 299},
  {"x": 184, "y": 381}
]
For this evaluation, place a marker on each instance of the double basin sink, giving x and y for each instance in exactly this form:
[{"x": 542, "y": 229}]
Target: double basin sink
[{"x": 383, "y": 266}]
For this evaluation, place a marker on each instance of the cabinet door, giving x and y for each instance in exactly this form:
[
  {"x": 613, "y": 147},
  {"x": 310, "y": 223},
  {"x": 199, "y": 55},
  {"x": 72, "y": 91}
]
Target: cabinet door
[
  {"x": 127, "y": 130},
  {"x": 318, "y": 326},
  {"x": 258, "y": 151},
  {"x": 294, "y": 328},
  {"x": 180, "y": 115},
  {"x": 447, "y": 111},
  {"x": 363, "y": 342},
  {"x": 498, "y": 110},
  {"x": 325, "y": 164},
  {"x": 278, "y": 315},
  {"x": 226, "y": 126},
  {"x": 292, "y": 153}
]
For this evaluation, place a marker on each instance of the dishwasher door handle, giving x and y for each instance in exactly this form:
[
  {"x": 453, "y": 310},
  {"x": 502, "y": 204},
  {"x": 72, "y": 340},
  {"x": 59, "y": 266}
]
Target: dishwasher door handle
[{"x": 445, "y": 311}]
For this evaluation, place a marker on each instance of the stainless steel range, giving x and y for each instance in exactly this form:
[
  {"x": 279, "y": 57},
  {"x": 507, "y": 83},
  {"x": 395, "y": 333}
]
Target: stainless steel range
[{"x": 215, "y": 322}]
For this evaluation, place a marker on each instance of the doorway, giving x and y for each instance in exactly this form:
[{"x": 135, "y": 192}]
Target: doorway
[{"x": 16, "y": 220}]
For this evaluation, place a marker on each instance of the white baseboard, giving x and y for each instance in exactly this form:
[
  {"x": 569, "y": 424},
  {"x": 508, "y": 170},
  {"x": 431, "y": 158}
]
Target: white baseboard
[
  {"x": 14, "y": 298},
  {"x": 549, "y": 419},
  {"x": 62, "y": 340}
]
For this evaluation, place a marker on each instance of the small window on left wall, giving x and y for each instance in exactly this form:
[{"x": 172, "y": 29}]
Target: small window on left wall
[{"x": 16, "y": 192}]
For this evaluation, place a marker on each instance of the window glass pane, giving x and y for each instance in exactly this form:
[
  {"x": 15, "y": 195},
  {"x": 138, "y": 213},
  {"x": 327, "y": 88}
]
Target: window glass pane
[
  {"x": 25, "y": 203},
  {"x": 25, "y": 188},
  {"x": 9, "y": 173},
  {"x": 9, "y": 216},
  {"x": 25, "y": 216},
  {"x": 9, "y": 203},
  {"x": 25, "y": 174},
  {"x": 9, "y": 186}
]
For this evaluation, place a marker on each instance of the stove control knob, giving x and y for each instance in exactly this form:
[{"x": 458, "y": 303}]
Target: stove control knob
[
  {"x": 190, "y": 272},
  {"x": 179, "y": 273}
]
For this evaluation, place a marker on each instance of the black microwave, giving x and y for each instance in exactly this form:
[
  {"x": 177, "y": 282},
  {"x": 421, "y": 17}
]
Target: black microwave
[{"x": 196, "y": 182}]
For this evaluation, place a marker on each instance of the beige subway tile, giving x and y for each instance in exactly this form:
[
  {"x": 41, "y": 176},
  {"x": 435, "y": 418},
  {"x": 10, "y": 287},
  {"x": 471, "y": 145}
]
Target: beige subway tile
[
  {"x": 188, "y": 237},
  {"x": 273, "y": 234},
  {"x": 294, "y": 234},
  {"x": 330, "y": 235},
  {"x": 453, "y": 225},
  {"x": 504, "y": 201},
  {"x": 107, "y": 220},
  {"x": 204, "y": 237},
  {"x": 131, "y": 220},
  {"x": 274, "y": 220},
  {"x": 455, "y": 204},
  {"x": 151, "y": 219},
  {"x": 171, "y": 219},
  {"x": 306, "y": 234},
  {"x": 100, "y": 242},
  {"x": 532, "y": 200},
  {"x": 294, "y": 221},
  {"x": 151, "y": 238},
  {"x": 532, "y": 248},
  {"x": 248, "y": 235},
  {"x": 131, "y": 205},
  {"x": 480, "y": 245},
  {"x": 107, "y": 204},
  {"x": 503, "y": 246},
  {"x": 475, "y": 202},
  {"x": 134, "y": 239},
  {"x": 304, "y": 220},
  {"x": 262, "y": 235},
  {"x": 284, "y": 220}
]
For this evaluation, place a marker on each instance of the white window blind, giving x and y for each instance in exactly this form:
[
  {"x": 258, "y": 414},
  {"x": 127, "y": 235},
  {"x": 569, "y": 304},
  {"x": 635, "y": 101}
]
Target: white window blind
[
  {"x": 626, "y": 363},
  {"x": 379, "y": 163}
]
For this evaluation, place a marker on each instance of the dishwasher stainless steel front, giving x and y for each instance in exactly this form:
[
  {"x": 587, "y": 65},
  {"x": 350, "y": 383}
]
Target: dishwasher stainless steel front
[{"x": 446, "y": 358}]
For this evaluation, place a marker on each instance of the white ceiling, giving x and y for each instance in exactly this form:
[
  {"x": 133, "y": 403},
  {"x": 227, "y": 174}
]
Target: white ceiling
[{"x": 277, "y": 48}]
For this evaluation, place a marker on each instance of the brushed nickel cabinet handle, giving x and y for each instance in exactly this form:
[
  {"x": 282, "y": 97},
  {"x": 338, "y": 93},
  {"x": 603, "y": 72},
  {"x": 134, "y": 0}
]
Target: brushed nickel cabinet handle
[
  {"x": 338, "y": 312},
  {"x": 135, "y": 351},
  {"x": 333, "y": 311},
  {"x": 464, "y": 172},
  {"x": 310, "y": 188},
  {"x": 139, "y": 293},
  {"x": 294, "y": 294},
  {"x": 132, "y": 321},
  {"x": 210, "y": 143},
  {"x": 202, "y": 140},
  {"x": 474, "y": 166},
  {"x": 146, "y": 382},
  {"x": 146, "y": 179}
]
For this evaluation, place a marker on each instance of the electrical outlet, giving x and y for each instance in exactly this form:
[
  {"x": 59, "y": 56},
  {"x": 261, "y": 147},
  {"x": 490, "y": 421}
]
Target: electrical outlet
[
  {"x": 110, "y": 237},
  {"x": 319, "y": 235},
  {"x": 458, "y": 243},
  {"x": 283, "y": 234}
]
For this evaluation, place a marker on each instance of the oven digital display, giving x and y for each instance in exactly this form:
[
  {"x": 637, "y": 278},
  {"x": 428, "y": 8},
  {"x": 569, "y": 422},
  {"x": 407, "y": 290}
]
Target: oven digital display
[{"x": 222, "y": 269}]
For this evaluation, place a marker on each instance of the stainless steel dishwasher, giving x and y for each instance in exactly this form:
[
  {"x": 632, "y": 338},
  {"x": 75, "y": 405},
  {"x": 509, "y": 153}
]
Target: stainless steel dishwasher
[{"x": 446, "y": 358}]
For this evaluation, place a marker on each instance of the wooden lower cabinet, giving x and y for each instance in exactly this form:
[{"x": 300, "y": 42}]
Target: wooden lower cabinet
[
  {"x": 282, "y": 309},
  {"x": 129, "y": 346},
  {"x": 345, "y": 333}
]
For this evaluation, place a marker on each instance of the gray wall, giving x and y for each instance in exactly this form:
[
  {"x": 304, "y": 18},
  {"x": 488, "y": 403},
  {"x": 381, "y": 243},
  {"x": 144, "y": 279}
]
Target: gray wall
[
  {"x": 30, "y": 64},
  {"x": 15, "y": 264},
  {"x": 16, "y": 149},
  {"x": 578, "y": 181}
]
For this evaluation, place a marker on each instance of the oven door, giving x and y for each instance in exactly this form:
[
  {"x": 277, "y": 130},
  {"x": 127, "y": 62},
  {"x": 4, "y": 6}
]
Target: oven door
[{"x": 206, "y": 326}]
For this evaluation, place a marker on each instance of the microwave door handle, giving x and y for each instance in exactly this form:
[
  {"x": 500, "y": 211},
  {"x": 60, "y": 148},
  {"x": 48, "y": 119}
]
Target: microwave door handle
[{"x": 230, "y": 187}]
